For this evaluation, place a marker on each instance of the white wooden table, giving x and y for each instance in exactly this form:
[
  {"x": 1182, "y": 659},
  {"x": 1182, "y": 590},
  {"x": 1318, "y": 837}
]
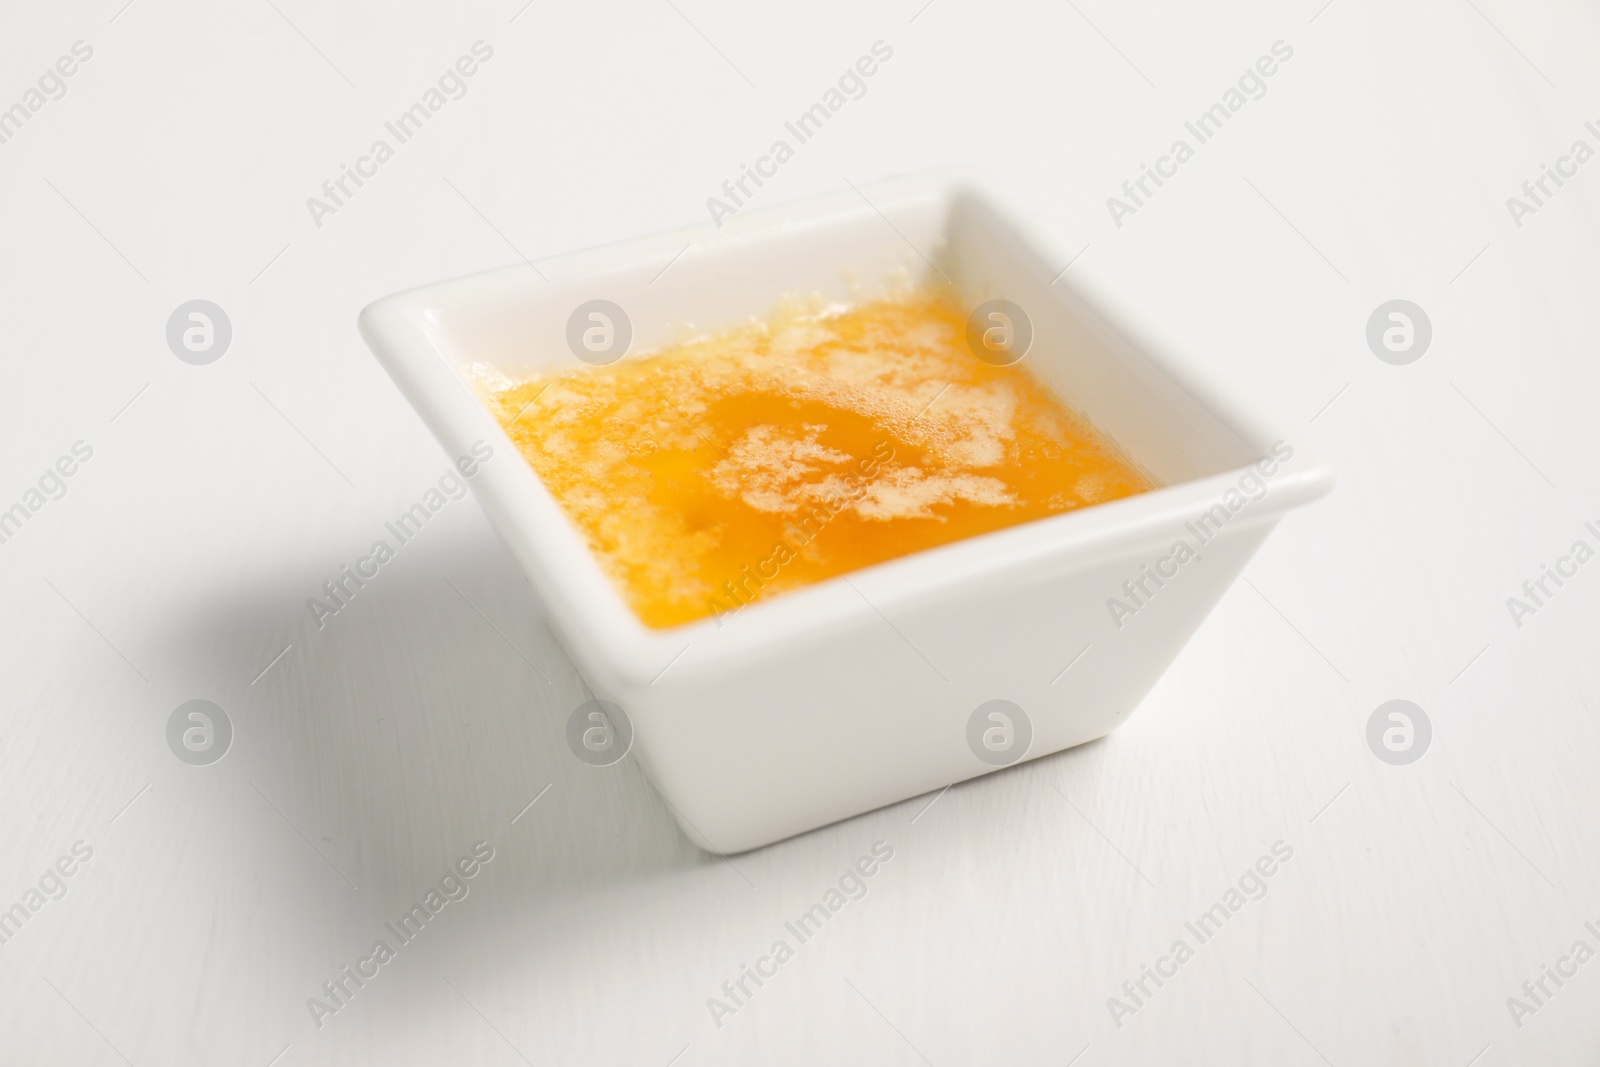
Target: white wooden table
[{"x": 207, "y": 904}]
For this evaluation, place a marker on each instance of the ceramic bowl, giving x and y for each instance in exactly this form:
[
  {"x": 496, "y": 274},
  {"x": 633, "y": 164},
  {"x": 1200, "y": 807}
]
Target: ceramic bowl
[{"x": 932, "y": 668}]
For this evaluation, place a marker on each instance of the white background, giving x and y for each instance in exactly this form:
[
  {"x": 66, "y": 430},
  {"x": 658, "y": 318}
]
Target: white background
[{"x": 377, "y": 751}]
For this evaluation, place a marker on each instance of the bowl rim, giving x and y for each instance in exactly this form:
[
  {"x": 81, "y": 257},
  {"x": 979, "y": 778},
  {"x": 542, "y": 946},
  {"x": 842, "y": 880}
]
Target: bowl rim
[{"x": 401, "y": 330}]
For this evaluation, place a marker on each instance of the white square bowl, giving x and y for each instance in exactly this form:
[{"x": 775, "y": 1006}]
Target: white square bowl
[{"x": 861, "y": 691}]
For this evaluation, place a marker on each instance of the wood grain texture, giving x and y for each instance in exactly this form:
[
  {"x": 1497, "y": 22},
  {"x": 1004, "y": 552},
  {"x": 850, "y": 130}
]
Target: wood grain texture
[{"x": 373, "y": 753}]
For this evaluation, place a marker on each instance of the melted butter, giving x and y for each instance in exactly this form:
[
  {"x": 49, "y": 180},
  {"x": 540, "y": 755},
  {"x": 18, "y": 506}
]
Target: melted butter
[{"x": 737, "y": 467}]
